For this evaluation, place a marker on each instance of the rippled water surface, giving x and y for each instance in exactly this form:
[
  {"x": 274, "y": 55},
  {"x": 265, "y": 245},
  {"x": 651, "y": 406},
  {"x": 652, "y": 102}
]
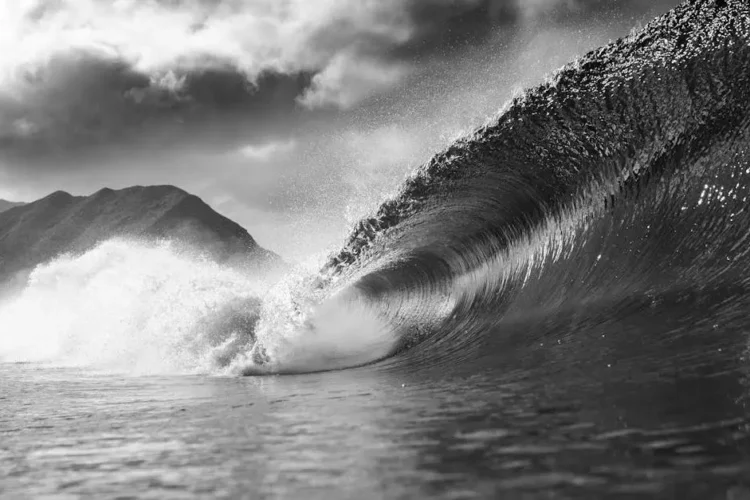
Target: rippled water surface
[{"x": 607, "y": 412}]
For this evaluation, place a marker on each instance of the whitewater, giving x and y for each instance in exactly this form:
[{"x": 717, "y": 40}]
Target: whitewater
[{"x": 160, "y": 307}]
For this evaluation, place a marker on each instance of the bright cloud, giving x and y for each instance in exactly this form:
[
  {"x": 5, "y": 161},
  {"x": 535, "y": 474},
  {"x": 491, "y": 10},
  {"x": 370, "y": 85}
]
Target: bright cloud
[
  {"x": 347, "y": 80},
  {"x": 264, "y": 152},
  {"x": 161, "y": 37}
]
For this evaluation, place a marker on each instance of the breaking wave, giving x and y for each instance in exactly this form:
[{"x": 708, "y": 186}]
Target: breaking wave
[
  {"x": 130, "y": 306},
  {"x": 146, "y": 308},
  {"x": 621, "y": 184}
]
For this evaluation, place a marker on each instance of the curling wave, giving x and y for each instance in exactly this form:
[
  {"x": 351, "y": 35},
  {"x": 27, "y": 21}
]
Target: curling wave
[{"x": 620, "y": 183}]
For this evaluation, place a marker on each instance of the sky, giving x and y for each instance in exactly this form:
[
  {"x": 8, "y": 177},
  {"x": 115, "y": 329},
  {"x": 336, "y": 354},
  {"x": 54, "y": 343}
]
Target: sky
[{"x": 292, "y": 117}]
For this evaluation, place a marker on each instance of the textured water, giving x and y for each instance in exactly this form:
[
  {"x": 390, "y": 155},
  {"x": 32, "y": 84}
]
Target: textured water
[{"x": 608, "y": 412}]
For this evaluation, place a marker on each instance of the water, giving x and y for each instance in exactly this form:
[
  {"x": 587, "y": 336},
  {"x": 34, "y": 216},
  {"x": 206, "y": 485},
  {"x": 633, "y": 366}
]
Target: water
[
  {"x": 555, "y": 306},
  {"x": 607, "y": 413}
]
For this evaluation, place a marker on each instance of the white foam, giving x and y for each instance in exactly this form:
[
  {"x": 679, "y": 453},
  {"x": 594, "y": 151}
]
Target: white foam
[
  {"x": 297, "y": 335},
  {"x": 128, "y": 306},
  {"x": 156, "y": 308}
]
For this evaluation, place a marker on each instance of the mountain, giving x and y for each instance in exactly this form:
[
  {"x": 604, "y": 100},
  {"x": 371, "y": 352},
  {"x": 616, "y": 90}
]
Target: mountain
[
  {"x": 5, "y": 205},
  {"x": 37, "y": 232}
]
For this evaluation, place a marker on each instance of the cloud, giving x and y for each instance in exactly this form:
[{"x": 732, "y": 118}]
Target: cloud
[
  {"x": 264, "y": 152},
  {"x": 77, "y": 74},
  {"x": 75, "y": 71},
  {"x": 347, "y": 80}
]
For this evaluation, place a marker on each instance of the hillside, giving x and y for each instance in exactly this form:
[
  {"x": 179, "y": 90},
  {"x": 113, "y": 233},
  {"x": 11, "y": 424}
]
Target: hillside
[
  {"x": 38, "y": 231},
  {"x": 5, "y": 205}
]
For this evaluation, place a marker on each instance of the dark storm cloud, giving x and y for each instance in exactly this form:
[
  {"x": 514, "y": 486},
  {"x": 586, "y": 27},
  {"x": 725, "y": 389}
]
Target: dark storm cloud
[
  {"x": 77, "y": 73},
  {"x": 91, "y": 73},
  {"x": 83, "y": 99},
  {"x": 444, "y": 27}
]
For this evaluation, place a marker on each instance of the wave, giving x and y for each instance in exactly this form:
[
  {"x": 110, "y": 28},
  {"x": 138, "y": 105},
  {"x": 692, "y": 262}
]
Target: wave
[
  {"x": 624, "y": 178},
  {"x": 620, "y": 184},
  {"x": 160, "y": 308}
]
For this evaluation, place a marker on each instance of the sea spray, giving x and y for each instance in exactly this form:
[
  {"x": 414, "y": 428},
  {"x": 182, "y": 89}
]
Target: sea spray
[
  {"x": 130, "y": 306},
  {"x": 338, "y": 331},
  {"x": 144, "y": 308}
]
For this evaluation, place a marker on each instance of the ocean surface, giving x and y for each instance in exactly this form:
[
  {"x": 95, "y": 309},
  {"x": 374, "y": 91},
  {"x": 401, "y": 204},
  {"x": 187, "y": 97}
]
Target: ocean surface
[
  {"x": 555, "y": 306},
  {"x": 608, "y": 411},
  {"x": 605, "y": 413}
]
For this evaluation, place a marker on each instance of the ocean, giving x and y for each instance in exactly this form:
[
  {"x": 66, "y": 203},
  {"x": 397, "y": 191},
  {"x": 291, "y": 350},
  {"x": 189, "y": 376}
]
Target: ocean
[
  {"x": 608, "y": 412},
  {"x": 553, "y": 307}
]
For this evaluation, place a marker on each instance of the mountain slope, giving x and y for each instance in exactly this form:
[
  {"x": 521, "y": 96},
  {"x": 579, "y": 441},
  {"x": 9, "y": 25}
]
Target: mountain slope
[
  {"x": 6, "y": 205},
  {"x": 58, "y": 223}
]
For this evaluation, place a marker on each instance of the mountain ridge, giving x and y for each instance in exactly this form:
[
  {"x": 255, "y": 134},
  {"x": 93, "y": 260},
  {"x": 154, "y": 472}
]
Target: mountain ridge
[
  {"x": 60, "y": 222},
  {"x": 7, "y": 205}
]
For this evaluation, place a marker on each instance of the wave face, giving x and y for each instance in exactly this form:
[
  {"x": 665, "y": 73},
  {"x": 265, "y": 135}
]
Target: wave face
[
  {"x": 622, "y": 181},
  {"x": 619, "y": 185}
]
